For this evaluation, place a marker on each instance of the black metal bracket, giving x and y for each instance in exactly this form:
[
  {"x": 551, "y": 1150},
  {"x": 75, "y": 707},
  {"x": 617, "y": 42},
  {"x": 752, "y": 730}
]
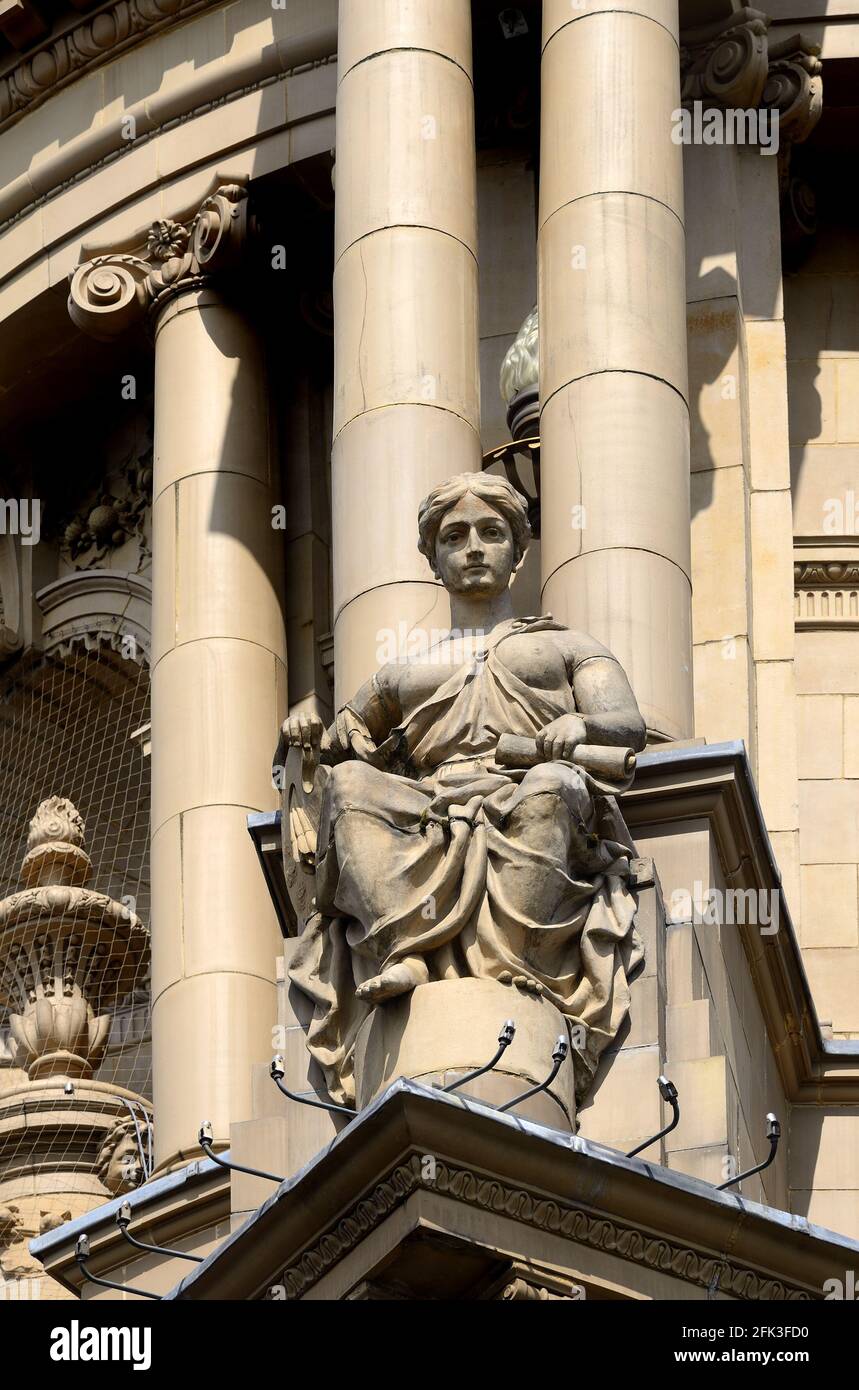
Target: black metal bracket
[
  {"x": 276, "y": 1072},
  {"x": 123, "y": 1218},
  {"x": 505, "y": 1038},
  {"x": 669, "y": 1093},
  {"x": 82, "y": 1253},
  {"x": 773, "y": 1134},
  {"x": 205, "y": 1140},
  {"x": 559, "y": 1053}
]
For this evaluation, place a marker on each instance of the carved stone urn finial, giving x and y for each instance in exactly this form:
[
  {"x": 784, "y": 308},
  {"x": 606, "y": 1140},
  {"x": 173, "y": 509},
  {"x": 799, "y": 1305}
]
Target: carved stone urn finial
[
  {"x": 55, "y": 852},
  {"x": 67, "y": 955}
]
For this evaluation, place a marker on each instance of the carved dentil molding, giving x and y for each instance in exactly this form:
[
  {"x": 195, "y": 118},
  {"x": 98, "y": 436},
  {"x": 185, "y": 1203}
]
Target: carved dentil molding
[
  {"x": 95, "y": 608},
  {"x": 826, "y": 594},
  {"x": 111, "y": 293}
]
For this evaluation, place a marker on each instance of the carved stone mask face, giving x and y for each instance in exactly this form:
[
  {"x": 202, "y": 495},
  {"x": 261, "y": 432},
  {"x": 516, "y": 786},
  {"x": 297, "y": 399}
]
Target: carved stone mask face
[
  {"x": 474, "y": 550},
  {"x": 124, "y": 1172}
]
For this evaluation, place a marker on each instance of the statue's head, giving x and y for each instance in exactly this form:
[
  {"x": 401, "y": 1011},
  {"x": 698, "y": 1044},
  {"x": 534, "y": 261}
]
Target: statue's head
[
  {"x": 474, "y": 532},
  {"x": 118, "y": 1165}
]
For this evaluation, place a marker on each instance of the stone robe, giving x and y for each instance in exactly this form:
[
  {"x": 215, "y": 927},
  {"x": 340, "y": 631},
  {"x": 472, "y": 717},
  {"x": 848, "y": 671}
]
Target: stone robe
[{"x": 433, "y": 850}]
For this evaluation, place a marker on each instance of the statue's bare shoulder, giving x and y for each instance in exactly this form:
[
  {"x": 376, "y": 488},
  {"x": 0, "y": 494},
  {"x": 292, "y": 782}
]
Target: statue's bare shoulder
[{"x": 577, "y": 648}]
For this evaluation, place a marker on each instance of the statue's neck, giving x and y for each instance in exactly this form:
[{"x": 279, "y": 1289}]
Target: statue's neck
[{"x": 479, "y": 615}]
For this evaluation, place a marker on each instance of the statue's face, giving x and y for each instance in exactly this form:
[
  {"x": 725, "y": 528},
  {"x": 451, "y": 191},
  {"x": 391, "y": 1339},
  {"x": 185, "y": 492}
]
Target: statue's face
[
  {"x": 124, "y": 1172},
  {"x": 474, "y": 550}
]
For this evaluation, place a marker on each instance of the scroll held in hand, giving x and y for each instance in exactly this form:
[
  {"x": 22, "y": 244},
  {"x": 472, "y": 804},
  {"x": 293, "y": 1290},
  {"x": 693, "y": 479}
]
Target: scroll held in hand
[{"x": 614, "y": 764}]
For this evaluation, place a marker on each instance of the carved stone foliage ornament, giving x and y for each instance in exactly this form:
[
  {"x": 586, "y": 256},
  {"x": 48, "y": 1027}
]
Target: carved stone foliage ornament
[
  {"x": 68, "y": 955},
  {"x": 111, "y": 293},
  {"x": 115, "y": 515},
  {"x": 94, "y": 40}
]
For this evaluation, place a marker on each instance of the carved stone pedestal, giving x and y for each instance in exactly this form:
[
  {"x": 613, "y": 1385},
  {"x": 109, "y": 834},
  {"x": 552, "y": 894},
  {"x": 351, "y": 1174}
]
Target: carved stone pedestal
[{"x": 442, "y": 1030}]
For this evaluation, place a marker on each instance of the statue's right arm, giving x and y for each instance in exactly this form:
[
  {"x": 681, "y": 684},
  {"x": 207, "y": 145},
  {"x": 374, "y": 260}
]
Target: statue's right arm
[{"x": 359, "y": 728}]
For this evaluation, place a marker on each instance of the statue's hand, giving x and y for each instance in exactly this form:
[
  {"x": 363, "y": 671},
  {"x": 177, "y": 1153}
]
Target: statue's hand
[
  {"x": 560, "y": 739},
  {"x": 304, "y": 731}
]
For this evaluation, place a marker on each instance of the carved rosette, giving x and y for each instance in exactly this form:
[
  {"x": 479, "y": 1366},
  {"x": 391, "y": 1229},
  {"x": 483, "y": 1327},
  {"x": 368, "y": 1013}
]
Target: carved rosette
[
  {"x": 109, "y": 294},
  {"x": 68, "y": 955}
]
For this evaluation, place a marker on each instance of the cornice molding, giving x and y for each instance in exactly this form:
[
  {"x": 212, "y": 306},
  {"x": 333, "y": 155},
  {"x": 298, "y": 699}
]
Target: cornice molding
[
  {"x": 715, "y": 782},
  {"x": 505, "y": 1170},
  {"x": 93, "y": 40},
  {"x": 487, "y": 1193},
  {"x": 826, "y": 593},
  {"x": 213, "y": 86},
  {"x": 112, "y": 293}
]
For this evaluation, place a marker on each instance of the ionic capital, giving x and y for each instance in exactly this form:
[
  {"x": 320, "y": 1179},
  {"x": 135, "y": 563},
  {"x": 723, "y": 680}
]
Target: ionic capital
[
  {"x": 794, "y": 86},
  {"x": 112, "y": 292},
  {"x": 726, "y": 63}
]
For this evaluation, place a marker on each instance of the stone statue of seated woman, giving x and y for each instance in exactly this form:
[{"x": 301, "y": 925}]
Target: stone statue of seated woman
[{"x": 436, "y": 860}]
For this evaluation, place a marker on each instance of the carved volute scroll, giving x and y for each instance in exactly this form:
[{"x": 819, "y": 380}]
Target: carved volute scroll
[
  {"x": 726, "y": 63},
  {"x": 733, "y": 64},
  {"x": 109, "y": 294}
]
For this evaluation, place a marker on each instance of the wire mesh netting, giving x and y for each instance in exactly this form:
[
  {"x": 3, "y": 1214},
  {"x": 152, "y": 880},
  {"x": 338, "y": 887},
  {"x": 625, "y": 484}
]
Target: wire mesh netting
[{"x": 70, "y": 728}]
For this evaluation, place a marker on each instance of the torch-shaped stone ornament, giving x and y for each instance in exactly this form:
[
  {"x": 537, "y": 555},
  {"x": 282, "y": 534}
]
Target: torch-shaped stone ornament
[{"x": 68, "y": 955}]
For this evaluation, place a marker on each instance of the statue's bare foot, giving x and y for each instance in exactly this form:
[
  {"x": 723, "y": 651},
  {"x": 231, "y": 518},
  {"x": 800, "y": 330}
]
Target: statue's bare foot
[
  {"x": 527, "y": 983},
  {"x": 403, "y": 977}
]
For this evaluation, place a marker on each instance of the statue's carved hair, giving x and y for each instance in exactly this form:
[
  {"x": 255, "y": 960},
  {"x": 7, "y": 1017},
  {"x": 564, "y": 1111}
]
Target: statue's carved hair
[{"x": 497, "y": 492}]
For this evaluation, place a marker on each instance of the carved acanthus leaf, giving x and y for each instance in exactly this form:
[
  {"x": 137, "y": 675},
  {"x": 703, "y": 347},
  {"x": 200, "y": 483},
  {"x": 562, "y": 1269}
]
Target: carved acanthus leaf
[{"x": 111, "y": 293}]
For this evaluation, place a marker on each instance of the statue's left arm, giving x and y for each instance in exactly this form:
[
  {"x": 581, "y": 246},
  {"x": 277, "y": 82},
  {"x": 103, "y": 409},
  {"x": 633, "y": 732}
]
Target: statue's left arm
[{"x": 607, "y": 711}]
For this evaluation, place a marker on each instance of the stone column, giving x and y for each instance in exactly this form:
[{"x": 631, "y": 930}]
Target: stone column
[
  {"x": 218, "y": 666},
  {"x": 407, "y": 404},
  {"x": 614, "y": 413}
]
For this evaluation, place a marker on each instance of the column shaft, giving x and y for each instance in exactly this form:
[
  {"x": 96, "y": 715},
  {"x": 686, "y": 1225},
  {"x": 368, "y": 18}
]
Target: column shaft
[
  {"x": 407, "y": 395},
  {"x": 218, "y": 696},
  {"x": 614, "y": 412}
]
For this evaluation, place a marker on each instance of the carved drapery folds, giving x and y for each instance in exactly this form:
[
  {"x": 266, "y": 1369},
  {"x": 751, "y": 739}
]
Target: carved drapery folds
[
  {"x": 109, "y": 294},
  {"x": 68, "y": 955}
]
